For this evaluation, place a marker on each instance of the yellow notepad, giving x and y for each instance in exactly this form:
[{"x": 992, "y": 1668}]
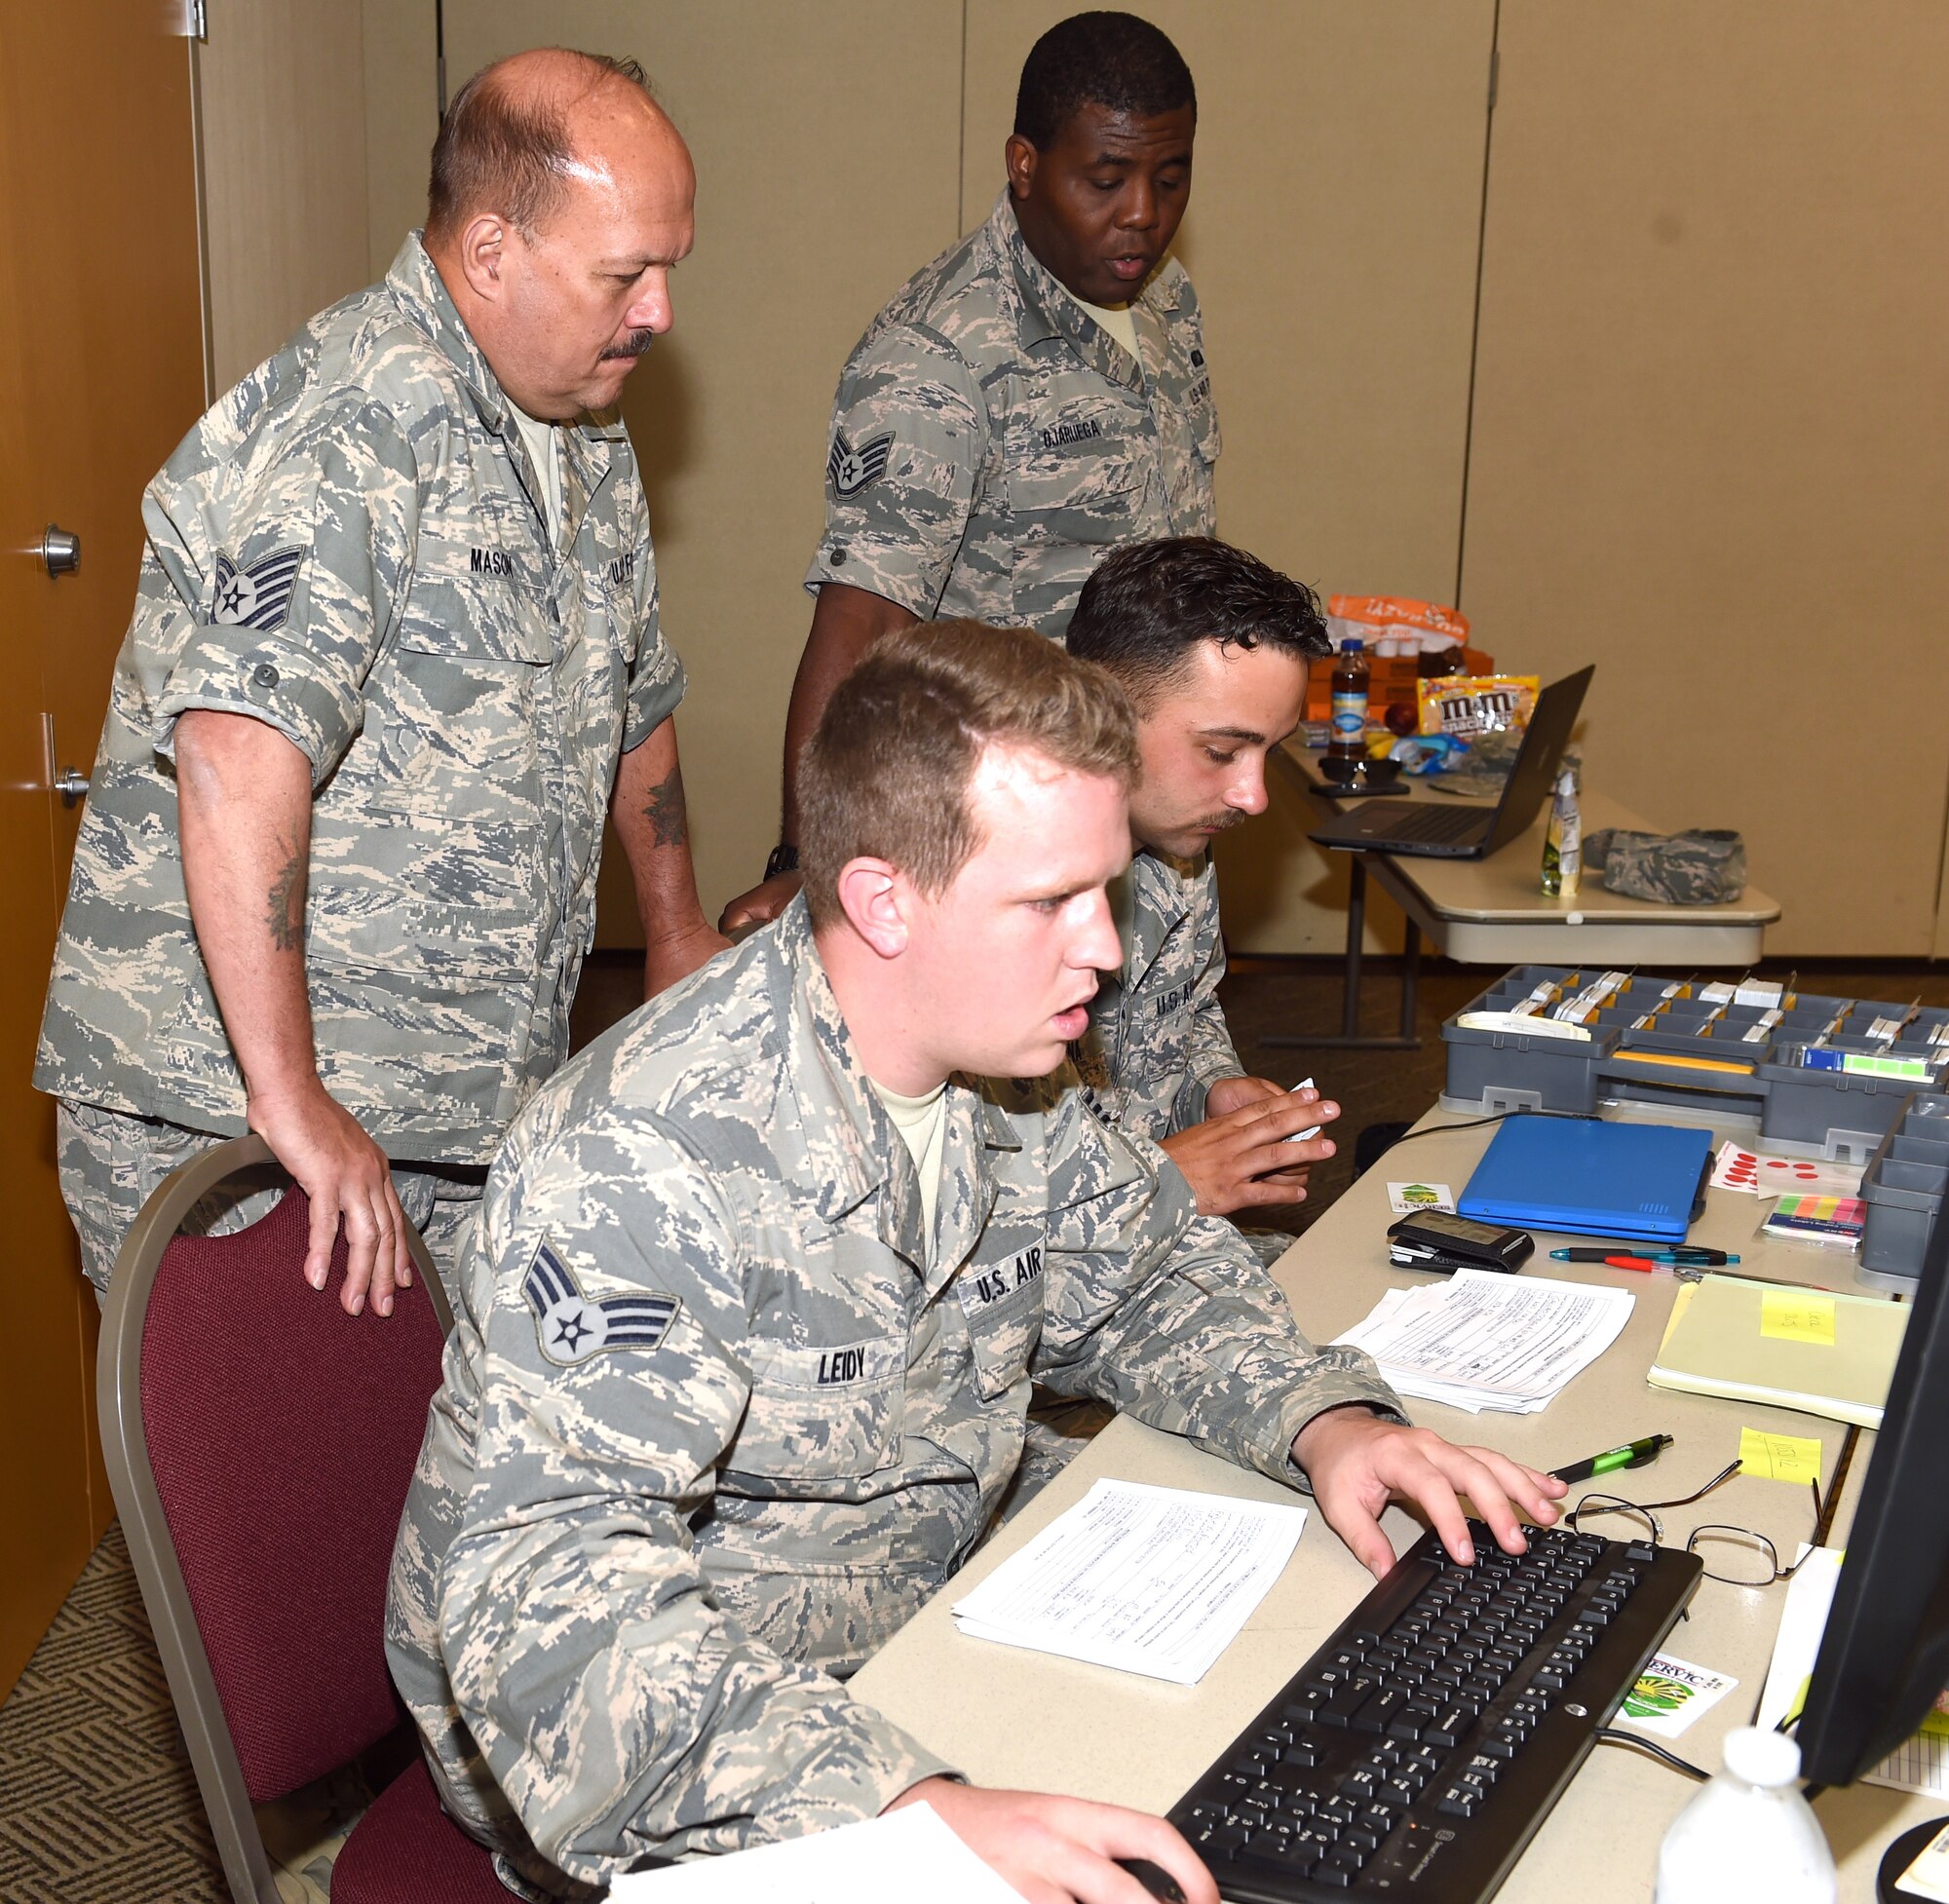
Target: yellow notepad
[{"x": 1831, "y": 1355}]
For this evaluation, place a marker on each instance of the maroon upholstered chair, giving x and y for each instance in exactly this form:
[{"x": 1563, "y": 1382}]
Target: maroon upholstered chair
[{"x": 260, "y": 1442}]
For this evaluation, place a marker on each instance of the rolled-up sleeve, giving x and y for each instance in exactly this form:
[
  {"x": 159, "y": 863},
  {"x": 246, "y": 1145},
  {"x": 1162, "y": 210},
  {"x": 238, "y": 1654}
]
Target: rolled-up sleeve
[
  {"x": 909, "y": 435},
  {"x": 293, "y": 611},
  {"x": 657, "y": 680}
]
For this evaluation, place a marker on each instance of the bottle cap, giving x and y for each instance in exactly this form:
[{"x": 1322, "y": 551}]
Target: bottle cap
[
  {"x": 1353, "y": 645},
  {"x": 1763, "y": 1758}
]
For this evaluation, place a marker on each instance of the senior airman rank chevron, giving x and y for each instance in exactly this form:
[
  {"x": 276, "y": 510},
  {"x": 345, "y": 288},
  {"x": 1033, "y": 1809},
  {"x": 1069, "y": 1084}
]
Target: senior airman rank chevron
[
  {"x": 258, "y": 596},
  {"x": 852, "y": 470},
  {"x": 571, "y": 1327}
]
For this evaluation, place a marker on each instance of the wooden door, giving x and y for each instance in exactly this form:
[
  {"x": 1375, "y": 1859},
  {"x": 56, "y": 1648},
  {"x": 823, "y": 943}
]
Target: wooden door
[{"x": 101, "y": 371}]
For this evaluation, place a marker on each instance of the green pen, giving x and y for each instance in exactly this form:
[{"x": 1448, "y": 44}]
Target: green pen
[{"x": 1633, "y": 1454}]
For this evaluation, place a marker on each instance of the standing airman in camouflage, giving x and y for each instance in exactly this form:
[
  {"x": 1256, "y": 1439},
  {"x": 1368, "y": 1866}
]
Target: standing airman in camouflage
[
  {"x": 760, "y": 1283},
  {"x": 1034, "y": 397},
  {"x": 396, "y": 625}
]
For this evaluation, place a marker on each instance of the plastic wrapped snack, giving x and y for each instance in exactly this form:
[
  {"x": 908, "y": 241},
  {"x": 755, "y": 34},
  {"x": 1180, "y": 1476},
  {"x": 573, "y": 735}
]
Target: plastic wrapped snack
[
  {"x": 1387, "y": 624},
  {"x": 1463, "y": 705}
]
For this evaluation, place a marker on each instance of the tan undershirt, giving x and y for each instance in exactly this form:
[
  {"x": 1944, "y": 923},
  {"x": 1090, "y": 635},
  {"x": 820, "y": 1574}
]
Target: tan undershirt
[
  {"x": 545, "y": 453},
  {"x": 922, "y": 1122},
  {"x": 1114, "y": 319}
]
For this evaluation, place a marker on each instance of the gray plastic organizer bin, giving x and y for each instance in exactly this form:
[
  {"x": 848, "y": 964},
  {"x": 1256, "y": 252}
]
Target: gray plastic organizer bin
[
  {"x": 1831, "y": 1114},
  {"x": 1904, "y": 1187}
]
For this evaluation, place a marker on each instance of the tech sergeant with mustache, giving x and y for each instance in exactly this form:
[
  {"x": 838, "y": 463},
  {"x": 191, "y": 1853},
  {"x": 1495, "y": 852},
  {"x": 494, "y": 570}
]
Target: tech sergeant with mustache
[{"x": 1033, "y": 399}]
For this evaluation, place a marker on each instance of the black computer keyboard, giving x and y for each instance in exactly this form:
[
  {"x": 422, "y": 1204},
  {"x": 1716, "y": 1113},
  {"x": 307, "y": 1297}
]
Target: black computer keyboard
[{"x": 1416, "y": 1753}]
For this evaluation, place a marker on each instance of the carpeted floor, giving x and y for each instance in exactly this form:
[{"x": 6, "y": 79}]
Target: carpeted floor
[
  {"x": 96, "y": 1800},
  {"x": 98, "y": 1805}
]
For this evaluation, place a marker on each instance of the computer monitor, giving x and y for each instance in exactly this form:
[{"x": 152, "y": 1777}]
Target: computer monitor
[{"x": 1885, "y": 1656}]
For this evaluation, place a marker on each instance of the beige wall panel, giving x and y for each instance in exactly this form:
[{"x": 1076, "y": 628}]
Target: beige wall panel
[
  {"x": 402, "y": 117},
  {"x": 1332, "y": 235},
  {"x": 1710, "y": 445},
  {"x": 828, "y": 149},
  {"x": 284, "y": 121}
]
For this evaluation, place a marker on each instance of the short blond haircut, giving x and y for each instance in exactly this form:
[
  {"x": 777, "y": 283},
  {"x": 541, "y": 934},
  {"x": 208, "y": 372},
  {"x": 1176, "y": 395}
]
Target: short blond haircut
[{"x": 886, "y": 772}]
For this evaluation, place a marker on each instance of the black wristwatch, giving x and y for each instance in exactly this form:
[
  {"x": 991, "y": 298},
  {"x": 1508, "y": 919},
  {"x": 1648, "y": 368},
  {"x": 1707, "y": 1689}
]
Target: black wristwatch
[{"x": 783, "y": 859}]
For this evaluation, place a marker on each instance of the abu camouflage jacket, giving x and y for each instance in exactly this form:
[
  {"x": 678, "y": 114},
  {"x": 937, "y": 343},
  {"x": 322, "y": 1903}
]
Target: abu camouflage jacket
[
  {"x": 992, "y": 444},
  {"x": 350, "y": 547},
  {"x": 1158, "y": 1041},
  {"x": 715, "y": 1422}
]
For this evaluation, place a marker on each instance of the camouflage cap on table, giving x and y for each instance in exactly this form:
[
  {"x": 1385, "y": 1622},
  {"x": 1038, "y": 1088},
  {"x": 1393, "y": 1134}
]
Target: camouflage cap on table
[{"x": 1698, "y": 868}]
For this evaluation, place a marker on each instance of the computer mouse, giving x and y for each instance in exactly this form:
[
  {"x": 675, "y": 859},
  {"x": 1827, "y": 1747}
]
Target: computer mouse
[{"x": 1154, "y": 1878}]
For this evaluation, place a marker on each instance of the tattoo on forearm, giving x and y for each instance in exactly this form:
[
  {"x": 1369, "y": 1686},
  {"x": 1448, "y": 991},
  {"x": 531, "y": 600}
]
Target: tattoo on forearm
[
  {"x": 285, "y": 915},
  {"x": 664, "y": 810}
]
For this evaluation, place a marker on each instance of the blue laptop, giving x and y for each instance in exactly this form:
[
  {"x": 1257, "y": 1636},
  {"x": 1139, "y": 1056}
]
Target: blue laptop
[{"x": 1590, "y": 1178}]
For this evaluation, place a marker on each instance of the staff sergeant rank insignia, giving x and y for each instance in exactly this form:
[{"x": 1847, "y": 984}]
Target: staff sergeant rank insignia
[
  {"x": 258, "y": 596},
  {"x": 571, "y": 1327},
  {"x": 851, "y": 469}
]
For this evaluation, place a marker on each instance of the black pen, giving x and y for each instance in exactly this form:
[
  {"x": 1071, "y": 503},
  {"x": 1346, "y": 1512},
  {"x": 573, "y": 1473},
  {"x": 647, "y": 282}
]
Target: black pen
[{"x": 1633, "y": 1454}]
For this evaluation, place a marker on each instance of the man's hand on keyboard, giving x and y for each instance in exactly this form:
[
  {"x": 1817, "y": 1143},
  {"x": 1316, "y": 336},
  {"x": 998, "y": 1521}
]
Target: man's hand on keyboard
[
  {"x": 1059, "y": 1850},
  {"x": 1357, "y": 1462}
]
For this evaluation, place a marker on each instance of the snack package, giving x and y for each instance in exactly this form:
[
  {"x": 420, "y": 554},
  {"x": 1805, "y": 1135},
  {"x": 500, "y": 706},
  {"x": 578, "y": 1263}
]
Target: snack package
[
  {"x": 1429, "y": 753},
  {"x": 1416, "y": 626},
  {"x": 1466, "y": 705}
]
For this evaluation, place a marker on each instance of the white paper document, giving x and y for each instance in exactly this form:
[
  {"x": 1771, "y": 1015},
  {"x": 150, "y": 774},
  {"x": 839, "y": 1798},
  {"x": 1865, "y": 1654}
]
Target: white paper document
[
  {"x": 1918, "y": 1765},
  {"x": 1482, "y": 1340},
  {"x": 887, "y": 1860},
  {"x": 1152, "y": 1581}
]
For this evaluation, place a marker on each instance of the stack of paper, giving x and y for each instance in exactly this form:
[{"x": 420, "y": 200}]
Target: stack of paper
[
  {"x": 1152, "y": 1581},
  {"x": 1922, "y": 1764},
  {"x": 1489, "y": 1340},
  {"x": 890, "y": 1860},
  {"x": 1806, "y": 1348}
]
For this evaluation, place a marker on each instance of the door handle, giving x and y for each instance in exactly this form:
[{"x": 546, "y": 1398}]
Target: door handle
[
  {"x": 60, "y": 551},
  {"x": 70, "y": 783}
]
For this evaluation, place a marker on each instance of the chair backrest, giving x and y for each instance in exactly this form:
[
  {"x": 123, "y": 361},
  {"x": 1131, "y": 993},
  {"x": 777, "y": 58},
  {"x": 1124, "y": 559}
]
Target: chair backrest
[{"x": 260, "y": 1442}]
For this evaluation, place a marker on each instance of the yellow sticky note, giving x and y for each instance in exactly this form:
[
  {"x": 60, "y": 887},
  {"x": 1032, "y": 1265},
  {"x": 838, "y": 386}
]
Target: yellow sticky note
[
  {"x": 1797, "y": 1316},
  {"x": 1779, "y": 1457}
]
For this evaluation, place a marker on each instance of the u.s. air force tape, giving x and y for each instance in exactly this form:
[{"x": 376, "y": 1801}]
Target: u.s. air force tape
[
  {"x": 978, "y": 1287},
  {"x": 571, "y": 1327}
]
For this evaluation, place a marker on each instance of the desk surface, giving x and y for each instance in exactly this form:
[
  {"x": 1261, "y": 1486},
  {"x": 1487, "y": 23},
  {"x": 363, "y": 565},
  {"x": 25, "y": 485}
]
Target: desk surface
[
  {"x": 1491, "y": 912},
  {"x": 1028, "y": 1721}
]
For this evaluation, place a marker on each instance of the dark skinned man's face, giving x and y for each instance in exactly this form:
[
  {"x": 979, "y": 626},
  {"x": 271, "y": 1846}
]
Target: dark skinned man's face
[{"x": 1101, "y": 206}]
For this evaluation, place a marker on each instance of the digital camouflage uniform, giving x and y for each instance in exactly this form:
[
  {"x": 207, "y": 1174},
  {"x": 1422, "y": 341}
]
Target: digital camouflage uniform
[
  {"x": 1156, "y": 1040},
  {"x": 991, "y": 442},
  {"x": 715, "y": 1420},
  {"x": 1700, "y": 868},
  {"x": 350, "y": 547}
]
